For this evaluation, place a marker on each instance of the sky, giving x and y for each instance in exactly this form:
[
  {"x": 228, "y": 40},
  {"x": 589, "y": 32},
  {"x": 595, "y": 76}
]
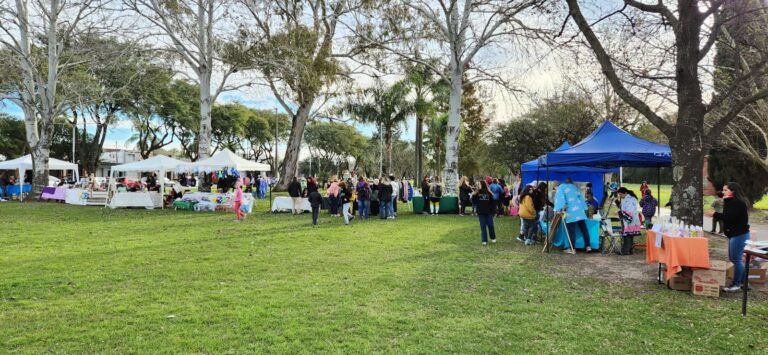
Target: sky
[{"x": 536, "y": 75}]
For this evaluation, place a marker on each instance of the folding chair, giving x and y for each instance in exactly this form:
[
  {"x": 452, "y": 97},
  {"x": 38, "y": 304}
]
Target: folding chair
[{"x": 611, "y": 234}]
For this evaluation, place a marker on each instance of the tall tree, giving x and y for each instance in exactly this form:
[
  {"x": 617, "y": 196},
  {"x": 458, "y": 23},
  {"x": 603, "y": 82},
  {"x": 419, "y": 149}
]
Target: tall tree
[
  {"x": 12, "y": 139},
  {"x": 473, "y": 127},
  {"x": 678, "y": 40},
  {"x": 423, "y": 80},
  {"x": 459, "y": 30},
  {"x": 739, "y": 49},
  {"x": 296, "y": 50},
  {"x": 259, "y": 133},
  {"x": 196, "y": 30},
  {"x": 336, "y": 142},
  {"x": 385, "y": 106},
  {"x": 39, "y": 47}
]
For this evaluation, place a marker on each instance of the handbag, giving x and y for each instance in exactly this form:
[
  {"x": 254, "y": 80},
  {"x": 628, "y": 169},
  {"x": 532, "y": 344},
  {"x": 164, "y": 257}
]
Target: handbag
[{"x": 514, "y": 211}]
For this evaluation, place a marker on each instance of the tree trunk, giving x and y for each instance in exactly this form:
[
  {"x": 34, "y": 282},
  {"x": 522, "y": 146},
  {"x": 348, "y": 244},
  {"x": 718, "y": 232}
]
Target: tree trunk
[
  {"x": 291, "y": 159},
  {"x": 204, "y": 136},
  {"x": 688, "y": 143},
  {"x": 388, "y": 143},
  {"x": 450, "y": 175},
  {"x": 419, "y": 143}
]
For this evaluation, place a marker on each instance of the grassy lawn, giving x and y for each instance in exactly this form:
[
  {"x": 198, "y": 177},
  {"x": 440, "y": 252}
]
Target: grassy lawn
[{"x": 93, "y": 280}]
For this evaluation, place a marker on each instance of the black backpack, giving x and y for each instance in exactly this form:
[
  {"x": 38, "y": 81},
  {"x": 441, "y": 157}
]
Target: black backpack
[
  {"x": 362, "y": 194},
  {"x": 438, "y": 191}
]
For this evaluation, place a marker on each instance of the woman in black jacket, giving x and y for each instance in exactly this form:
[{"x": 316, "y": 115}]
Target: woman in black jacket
[
  {"x": 736, "y": 219},
  {"x": 486, "y": 209},
  {"x": 464, "y": 192}
]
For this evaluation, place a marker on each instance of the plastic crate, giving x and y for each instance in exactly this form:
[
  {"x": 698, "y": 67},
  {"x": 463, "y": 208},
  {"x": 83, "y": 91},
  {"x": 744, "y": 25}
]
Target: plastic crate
[{"x": 184, "y": 205}]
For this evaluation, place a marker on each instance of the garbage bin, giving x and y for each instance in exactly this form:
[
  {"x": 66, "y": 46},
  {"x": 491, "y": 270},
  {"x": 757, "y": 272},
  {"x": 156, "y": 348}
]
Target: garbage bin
[
  {"x": 449, "y": 205},
  {"x": 418, "y": 204}
]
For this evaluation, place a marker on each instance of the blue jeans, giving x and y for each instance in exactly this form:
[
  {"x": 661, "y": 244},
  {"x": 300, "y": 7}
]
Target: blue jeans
[
  {"x": 582, "y": 224},
  {"x": 384, "y": 207},
  {"x": 486, "y": 227},
  {"x": 736, "y": 256},
  {"x": 529, "y": 229},
  {"x": 363, "y": 206},
  {"x": 392, "y": 208}
]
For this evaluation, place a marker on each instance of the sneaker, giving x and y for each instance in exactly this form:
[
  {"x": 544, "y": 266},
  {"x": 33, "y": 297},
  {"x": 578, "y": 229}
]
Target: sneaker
[
  {"x": 569, "y": 251},
  {"x": 734, "y": 288},
  {"x": 485, "y": 243},
  {"x": 589, "y": 249},
  {"x": 493, "y": 241},
  {"x": 529, "y": 242},
  {"x": 521, "y": 239}
]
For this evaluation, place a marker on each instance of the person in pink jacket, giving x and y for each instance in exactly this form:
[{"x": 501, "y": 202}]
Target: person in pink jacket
[
  {"x": 238, "y": 200},
  {"x": 333, "y": 196}
]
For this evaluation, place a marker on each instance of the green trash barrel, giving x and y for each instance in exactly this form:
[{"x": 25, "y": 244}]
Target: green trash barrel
[
  {"x": 449, "y": 205},
  {"x": 418, "y": 204}
]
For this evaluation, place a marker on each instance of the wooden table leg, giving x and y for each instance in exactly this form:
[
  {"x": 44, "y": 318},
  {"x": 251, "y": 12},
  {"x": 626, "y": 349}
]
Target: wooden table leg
[{"x": 745, "y": 286}]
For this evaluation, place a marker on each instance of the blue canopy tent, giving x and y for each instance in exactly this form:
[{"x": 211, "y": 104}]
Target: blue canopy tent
[
  {"x": 535, "y": 171},
  {"x": 611, "y": 147}
]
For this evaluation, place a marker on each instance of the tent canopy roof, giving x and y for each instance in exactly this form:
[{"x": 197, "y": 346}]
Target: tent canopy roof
[
  {"x": 156, "y": 163},
  {"x": 225, "y": 159},
  {"x": 535, "y": 165},
  {"x": 25, "y": 163},
  {"x": 609, "y": 147}
]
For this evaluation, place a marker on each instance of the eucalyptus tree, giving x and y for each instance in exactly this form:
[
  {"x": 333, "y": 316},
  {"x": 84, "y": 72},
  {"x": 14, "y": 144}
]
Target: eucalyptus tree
[
  {"x": 453, "y": 32},
  {"x": 670, "y": 46},
  {"x": 388, "y": 107},
  {"x": 198, "y": 32},
  {"x": 40, "y": 45},
  {"x": 295, "y": 46}
]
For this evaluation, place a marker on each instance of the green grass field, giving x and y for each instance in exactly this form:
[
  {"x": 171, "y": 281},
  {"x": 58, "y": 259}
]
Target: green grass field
[{"x": 94, "y": 280}]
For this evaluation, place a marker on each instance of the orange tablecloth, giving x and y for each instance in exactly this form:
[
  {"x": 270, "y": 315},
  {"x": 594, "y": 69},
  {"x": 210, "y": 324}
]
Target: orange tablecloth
[{"x": 677, "y": 252}]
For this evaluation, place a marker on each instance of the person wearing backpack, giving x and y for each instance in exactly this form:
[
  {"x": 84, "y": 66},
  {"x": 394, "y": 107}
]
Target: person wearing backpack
[
  {"x": 345, "y": 196},
  {"x": 435, "y": 193},
  {"x": 363, "y": 198},
  {"x": 486, "y": 209},
  {"x": 385, "y": 198}
]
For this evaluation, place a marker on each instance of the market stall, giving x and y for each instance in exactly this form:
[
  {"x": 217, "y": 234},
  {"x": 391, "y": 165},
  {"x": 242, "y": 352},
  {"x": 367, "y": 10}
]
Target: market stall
[
  {"x": 534, "y": 170},
  {"x": 284, "y": 203},
  {"x": 206, "y": 201},
  {"x": 22, "y": 164},
  {"x": 676, "y": 252},
  {"x": 143, "y": 198}
]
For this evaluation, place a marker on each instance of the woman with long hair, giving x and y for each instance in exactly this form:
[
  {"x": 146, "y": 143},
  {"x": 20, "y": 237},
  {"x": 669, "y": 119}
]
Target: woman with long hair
[
  {"x": 528, "y": 215},
  {"x": 735, "y": 217},
  {"x": 333, "y": 196},
  {"x": 628, "y": 211},
  {"x": 435, "y": 193},
  {"x": 464, "y": 192},
  {"x": 486, "y": 209}
]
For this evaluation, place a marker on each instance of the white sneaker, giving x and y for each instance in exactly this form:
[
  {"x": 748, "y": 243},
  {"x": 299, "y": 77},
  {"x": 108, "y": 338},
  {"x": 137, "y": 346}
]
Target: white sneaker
[
  {"x": 493, "y": 241},
  {"x": 485, "y": 243},
  {"x": 589, "y": 249},
  {"x": 732, "y": 289},
  {"x": 569, "y": 251}
]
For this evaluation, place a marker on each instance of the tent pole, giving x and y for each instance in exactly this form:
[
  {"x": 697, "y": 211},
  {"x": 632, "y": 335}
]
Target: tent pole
[{"x": 658, "y": 188}]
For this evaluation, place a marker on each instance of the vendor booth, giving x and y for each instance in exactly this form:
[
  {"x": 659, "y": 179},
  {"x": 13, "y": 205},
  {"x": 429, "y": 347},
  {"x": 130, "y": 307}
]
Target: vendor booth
[
  {"x": 606, "y": 148},
  {"x": 225, "y": 162},
  {"x": 535, "y": 171},
  {"x": 24, "y": 163},
  {"x": 121, "y": 197}
]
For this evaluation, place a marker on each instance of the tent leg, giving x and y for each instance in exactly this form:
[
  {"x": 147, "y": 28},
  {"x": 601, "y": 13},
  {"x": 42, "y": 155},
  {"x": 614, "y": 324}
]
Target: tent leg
[{"x": 658, "y": 189}]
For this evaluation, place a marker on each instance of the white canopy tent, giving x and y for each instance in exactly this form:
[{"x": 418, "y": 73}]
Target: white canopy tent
[
  {"x": 25, "y": 163},
  {"x": 159, "y": 164},
  {"x": 223, "y": 160}
]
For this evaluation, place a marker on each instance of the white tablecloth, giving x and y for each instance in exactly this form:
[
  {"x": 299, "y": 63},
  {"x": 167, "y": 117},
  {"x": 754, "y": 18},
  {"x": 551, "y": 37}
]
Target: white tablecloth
[
  {"x": 283, "y": 203},
  {"x": 77, "y": 196},
  {"x": 148, "y": 200}
]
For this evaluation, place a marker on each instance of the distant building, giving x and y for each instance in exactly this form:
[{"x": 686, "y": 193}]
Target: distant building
[{"x": 111, "y": 157}]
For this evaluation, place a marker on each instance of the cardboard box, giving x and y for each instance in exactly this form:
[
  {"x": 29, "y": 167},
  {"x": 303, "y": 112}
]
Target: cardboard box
[
  {"x": 757, "y": 276},
  {"x": 709, "y": 276},
  {"x": 680, "y": 283},
  {"x": 706, "y": 289}
]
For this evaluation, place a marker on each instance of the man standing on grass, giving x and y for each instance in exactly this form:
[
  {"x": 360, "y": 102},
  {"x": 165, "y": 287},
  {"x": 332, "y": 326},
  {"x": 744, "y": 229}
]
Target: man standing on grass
[{"x": 294, "y": 190}]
